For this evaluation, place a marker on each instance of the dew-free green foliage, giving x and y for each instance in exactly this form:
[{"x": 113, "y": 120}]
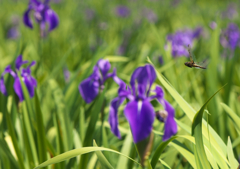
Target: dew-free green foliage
[{"x": 57, "y": 129}]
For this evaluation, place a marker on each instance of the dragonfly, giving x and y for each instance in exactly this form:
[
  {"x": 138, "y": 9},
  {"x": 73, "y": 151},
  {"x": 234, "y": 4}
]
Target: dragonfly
[{"x": 192, "y": 63}]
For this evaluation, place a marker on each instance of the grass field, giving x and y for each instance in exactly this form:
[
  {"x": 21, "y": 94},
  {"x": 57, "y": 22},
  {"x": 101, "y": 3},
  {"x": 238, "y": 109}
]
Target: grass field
[{"x": 54, "y": 124}]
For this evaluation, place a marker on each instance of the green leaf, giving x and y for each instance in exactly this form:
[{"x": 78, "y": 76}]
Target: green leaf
[
  {"x": 127, "y": 144},
  {"x": 13, "y": 135},
  {"x": 164, "y": 163},
  {"x": 105, "y": 163},
  {"x": 188, "y": 155},
  {"x": 159, "y": 151},
  {"x": 233, "y": 162},
  {"x": 27, "y": 112},
  {"x": 41, "y": 136},
  {"x": 200, "y": 155},
  {"x": 116, "y": 58},
  {"x": 94, "y": 114},
  {"x": 233, "y": 116},
  {"x": 76, "y": 152}
]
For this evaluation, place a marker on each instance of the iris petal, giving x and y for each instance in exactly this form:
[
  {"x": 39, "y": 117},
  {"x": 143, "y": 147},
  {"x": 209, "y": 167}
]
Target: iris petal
[
  {"x": 52, "y": 19},
  {"x": 113, "y": 115},
  {"x": 170, "y": 124},
  {"x": 144, "y": 77},
  {"x": 18, "y": 89},
  {"x": 30, "y": 85},
  {"x": 26, "y": 19},
  {"x": 89, "y": 89},
  {"x": 2, "y": 86},
  {"x": 19, "y": 62},
  {"x": 140, "y": 116},
  {"x": 104, "y": 66}
]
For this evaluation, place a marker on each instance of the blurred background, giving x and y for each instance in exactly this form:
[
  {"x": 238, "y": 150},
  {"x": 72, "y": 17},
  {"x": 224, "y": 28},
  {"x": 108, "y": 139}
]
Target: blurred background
[{"x": 134, "y": 30}]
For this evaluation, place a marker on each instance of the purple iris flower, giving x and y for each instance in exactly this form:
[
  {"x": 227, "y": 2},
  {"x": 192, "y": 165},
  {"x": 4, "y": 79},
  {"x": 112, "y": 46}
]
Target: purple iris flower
[
  {"x": 230, "y": 12},
  {"x": 89, "y": 14},
  {"x": 139, "y": 111},
  {"x": 150, "y": 15},
  {"x": 90, "y": 87},
  {"x": 43, "y": 15},
  {"x": 122, "y": 11},
  {"x": 181, "y": 39},
  {"x": 27, "y": 78},
  {"x": 230, "y": 37},
  {"x": 66, "y": 74},
  {"x": 13, "y": 33}
]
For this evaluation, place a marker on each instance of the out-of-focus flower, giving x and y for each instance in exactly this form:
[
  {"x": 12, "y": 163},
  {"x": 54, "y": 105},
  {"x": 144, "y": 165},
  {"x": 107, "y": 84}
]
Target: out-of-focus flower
[
  {"x": 230, "y": 12},
  {"x": 103, "y": 26},
  {"x": 213, "y": 25},
  {"x": 27, "y": 78},
  {"x": 125, "y": 41},
  {"x": 66, "y": 74},
  {"x": 150, "y": 15},
  {"x": 122, "y": 49},
  {"x": 13, "y": 33},
  {"x": 122, "y": 11},
  {"x": 139, "y": 111},
  {"x": 230, "y": 37},
  {"x": 181, "y": 39},
  {"x": 43, "y": 15},
  {"x": 90, "y": 87},
  {"x": 89, "y": 14},
  {"x": 160, "y": 59}
]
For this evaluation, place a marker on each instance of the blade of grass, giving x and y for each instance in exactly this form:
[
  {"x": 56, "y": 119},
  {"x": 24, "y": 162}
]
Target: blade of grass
[
  {"x": 41, "y": 136},
  {"x": 197, "y": 133},
  {"x": 105, "y": 163},
  {"x": 234, "y": 164},
  {"x": 13, "y": 134},
  {"x": 76, "y": 152}
]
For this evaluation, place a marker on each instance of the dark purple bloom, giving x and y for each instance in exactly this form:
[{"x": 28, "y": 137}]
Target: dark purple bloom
[
  {"x": 230, "y": 37},
  {"x": 66, "y": 74},
  {"x": 181, "y": 39},
  {"x": 27, "y": 78},
  {"x": 213, "y": 25},
  {"x": 122, "y": 11},
  {"x": 43, "y": 15},
  {"x": 89, "y": 14},
  {"x": 139, "y": 111},
  {"x": 160, "y": 59},
  {"x": 90, "y": 87},
  {"x": 121, "y": 50},
  {"x": 150, "y": 15},
  {"x": 230, "y": 12},
  {"x": 13, "y": 33}
]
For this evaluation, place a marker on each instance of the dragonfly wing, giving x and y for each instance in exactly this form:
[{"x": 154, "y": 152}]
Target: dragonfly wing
[
  {"x": 199, "y": 67},
  {"x": 189, "y": 51},
  {"x": 204, "y": 63}
]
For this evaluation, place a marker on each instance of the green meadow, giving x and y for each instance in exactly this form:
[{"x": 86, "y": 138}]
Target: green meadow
[{"x": 57, "y": 129}]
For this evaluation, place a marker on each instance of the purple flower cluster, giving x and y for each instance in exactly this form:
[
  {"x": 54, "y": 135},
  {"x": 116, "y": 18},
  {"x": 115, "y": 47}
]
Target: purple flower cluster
[
  {"x": 230, "y": 37},
  {"x": 122, "y": 11},
  {"x": 138, "y": 111},
  {"x": 43, "y": 15},
  {"x": 90, "y": 87},
  {"x": 13, "y": 31},
  {"x": 150, "y": 15},
  {"x": 181, "y": 39},
  {"x": 27, "y": 78}
]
